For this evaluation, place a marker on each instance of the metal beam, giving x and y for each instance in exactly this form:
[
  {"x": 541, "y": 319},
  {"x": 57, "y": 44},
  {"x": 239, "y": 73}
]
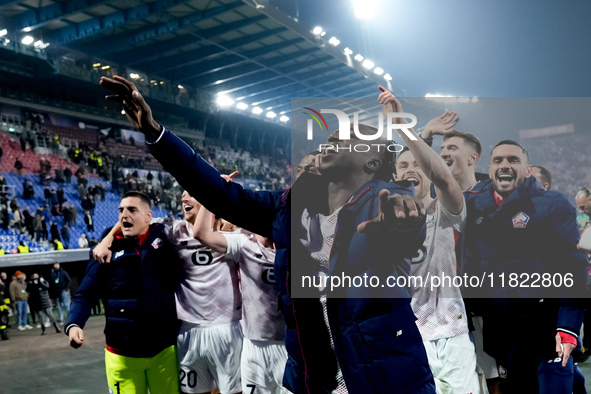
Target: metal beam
[
  {"x": 226, "y": 75},
  {"x": 227, "y": 61},
  {"x": 39, "y": 17},
  {"x": 187, "y": 71},
  {"x": 122, "y": 41},
  {"x": 188, "y": 58}
]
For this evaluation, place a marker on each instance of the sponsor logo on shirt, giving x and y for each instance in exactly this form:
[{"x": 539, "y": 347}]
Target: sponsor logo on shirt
[
  {"x": 157, "y": 243},
  {"x": 520, "y": 220},
  {"x": 118, "y": 254}
]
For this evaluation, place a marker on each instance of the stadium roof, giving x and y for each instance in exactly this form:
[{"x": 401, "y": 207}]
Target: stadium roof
[{"x": 246, "y": 50}]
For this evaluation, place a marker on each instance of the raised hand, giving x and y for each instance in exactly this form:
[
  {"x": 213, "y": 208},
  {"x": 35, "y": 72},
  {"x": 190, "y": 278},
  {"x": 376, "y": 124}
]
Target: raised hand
[
  {"x": 396, "y": 212},
  {"x": 136, "y": 109},
  {"x": 229, "y": 178},
  {"x": 441, "y": 125},
  {"x": 390, "y": 104}
]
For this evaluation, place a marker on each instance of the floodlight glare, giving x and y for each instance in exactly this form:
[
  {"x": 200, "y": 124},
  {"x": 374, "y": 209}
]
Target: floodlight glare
[
  {"x": 271, "y": 114},
  {"x": 241, "y": 105},
  {"x": 284, "y": 118},
  {"x": 134, "y": 75},
  {"x": 388, "y": 77},
  {"x": 348, "y": 51},
  {"x": 378, "y": 71},
  {"x": 3, "y": 32},
  {"x": 358, "y": 57},
  {"x": 27, "y": 40},
  {"x": 367, "y": 64},
  {"x": 180, "y": 87},
  {"x": 257, "y": 110},
  {"x": 317, "y": 30},
  {"x": 224, "y": 101},
  {"x": 334, "y": 41},
  {"x": 364, "y": 9}
]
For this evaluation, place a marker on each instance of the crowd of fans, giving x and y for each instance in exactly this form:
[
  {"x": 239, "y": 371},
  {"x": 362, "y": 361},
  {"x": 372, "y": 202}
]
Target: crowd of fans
[
  {"x": 118, "y": 171},
  {"x": 567, "y": 159}
]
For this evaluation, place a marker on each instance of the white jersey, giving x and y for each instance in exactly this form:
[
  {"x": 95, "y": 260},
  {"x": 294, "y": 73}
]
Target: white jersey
[
  {"x": 208, "y": 292},
  {"x": 441, "y": 313},
  {"x": 261, "y": 319}
]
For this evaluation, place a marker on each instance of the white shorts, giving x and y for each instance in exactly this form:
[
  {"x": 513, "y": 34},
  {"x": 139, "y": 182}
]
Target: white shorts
[
  {"x": 453, "y": 363},
  {"x": 209, "y": 357},
  {"x": 486, "y": 364},
  {"x": 263, "y": 364}
]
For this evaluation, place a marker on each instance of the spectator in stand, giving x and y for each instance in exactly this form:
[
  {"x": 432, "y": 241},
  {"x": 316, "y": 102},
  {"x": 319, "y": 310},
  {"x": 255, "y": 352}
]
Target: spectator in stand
[
  {"x": 54, "y": 198},
  {"x": 68, "y": 175},
  {"x": 60, "y": 195},
  {"x": 82, "y": 191},
  {"x": 40, "y": 303},
  {"x": 28, "y": 221},
  {"x": 65, "y": 232},
  {"x": 47, "y": 195},
  {"x": 55, "y": 233},
  {"x": 2, "y": 184},
  {"x": 74, "y": 213},
  {"x": 28, "y": 190},
  {"x": 44, "y": 231},
  {"x": 59, "y": 175},
  {"x": 23, "y": 143},
  {"x": 18, "y": 165},
  {"x": 83, "y": 241},
  {"x": 86, "y": 203},
  {"x": 89, "y": 221},
  {"x": 19, "y": 220},
  {"x": 4, "y": 217},
  {"x": 13, "y": 204},
  {"x": 18, "y": 292},
  {"x": 67, "y": 214},
  {"x": 60, "y": 290},
  {"x": 91, "y": 204},
  {"x": 38, "y": 226}
]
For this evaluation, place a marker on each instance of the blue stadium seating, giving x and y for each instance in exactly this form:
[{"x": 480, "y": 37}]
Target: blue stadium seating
[{"x": 105, "y": 215}]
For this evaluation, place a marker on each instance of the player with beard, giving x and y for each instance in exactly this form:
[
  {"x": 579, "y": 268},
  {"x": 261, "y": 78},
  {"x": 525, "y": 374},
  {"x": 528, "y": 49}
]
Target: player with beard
[
  {"x": 210, "y": 338},
  {"x": 442, "y": 318},
  {"x": 515, "y": 226},
  {"x": 374, "y": 342},
  {"x": 461, "y": 152}
]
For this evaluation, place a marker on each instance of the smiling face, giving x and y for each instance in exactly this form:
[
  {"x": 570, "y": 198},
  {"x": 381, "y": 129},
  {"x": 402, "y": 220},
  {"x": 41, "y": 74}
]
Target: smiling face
[
  {"x": 508, "y": 169},
  {"x": 458, "y": 155},
  {"x": 407, "y": 169},
  {"x": 134, "y": 216},
  {"x": 583, "y": 201},
  {"x": 190, "y": 207}
]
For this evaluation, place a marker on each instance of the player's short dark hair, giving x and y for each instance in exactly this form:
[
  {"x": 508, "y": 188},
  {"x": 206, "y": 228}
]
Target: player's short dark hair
[
  {"x": 515, "y": 143},
  {"x": 468, "y": 138},
  {"x": 145, "y": 199},
  {"x": 385, "y": 171},
  {"x": 546, "y": 176}
]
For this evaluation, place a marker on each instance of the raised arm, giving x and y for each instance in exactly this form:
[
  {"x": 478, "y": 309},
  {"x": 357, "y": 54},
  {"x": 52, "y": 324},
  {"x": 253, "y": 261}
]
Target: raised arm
[
  {"x": 447, "y": 188},
  {"x": 102, "y": 252},
  {"x": 203, "y": 233},
  {"x": 251, "y": 210}
]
